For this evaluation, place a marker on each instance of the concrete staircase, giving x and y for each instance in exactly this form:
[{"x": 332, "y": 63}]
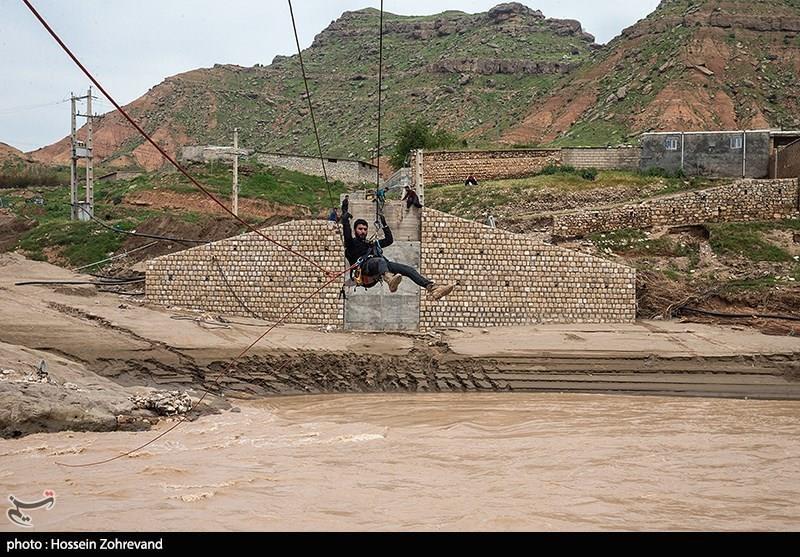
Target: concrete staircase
[{"x": 377, "y": 309}]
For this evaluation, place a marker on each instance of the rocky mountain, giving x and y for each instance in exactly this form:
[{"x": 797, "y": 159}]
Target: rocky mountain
[
  {"x": 472, "y": 74},
  {"x": 508, "y": 76},
  {"x": 10, "y": 154},
  {"x": 690, "y": 65}
]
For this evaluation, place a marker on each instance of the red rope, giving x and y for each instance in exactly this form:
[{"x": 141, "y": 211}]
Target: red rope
[
  {"x": 216, "y": 383},
  {"x": 332, "y": 275},
  {"x": 160, "y": 150}
]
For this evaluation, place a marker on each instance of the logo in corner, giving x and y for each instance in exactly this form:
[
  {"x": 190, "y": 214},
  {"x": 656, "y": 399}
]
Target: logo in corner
[{"x": 19, "y": 518}]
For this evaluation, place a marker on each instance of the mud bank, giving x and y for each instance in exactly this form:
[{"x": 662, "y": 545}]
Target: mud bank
[{"x": 105, "y": 350}]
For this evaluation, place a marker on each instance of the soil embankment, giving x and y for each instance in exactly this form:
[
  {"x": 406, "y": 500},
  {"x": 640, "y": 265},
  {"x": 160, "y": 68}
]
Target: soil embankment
[{"x": 101, "y": 351}]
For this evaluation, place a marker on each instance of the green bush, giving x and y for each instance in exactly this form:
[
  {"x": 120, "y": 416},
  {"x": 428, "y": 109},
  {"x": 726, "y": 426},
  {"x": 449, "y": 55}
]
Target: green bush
[
  {"x": 658, "y": 172},
  {"x": 745, "y": 240},
  {"x": 589, "y": 174},
  {"x": 551, "y": 169},
  {"x": 420, "y": 135}
]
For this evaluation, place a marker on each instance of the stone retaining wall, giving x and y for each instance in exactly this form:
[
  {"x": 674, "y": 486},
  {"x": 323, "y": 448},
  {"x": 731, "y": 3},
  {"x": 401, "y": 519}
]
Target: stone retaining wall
[
  {"x": 348, "y": 171},
  {"x": 248, "y": 275},
  {"x": 453, "y": 167},
  {"x": 509, "y": 279},
  {"x": 624, "y": 158},
  {"x": 742, "y": 201}
]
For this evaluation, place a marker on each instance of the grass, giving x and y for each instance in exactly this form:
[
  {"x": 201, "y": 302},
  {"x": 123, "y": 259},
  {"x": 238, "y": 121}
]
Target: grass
[
  {"x": 636, "y": 242},
  {"x": 463, "y": 200},
  {"x": 276, "y": 185},
  {"x": 747, "y": 240},
  {"x": 80, "y": 243}
]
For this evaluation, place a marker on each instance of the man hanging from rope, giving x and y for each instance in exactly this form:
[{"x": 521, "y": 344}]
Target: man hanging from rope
[{"x": 373, "y": 266}]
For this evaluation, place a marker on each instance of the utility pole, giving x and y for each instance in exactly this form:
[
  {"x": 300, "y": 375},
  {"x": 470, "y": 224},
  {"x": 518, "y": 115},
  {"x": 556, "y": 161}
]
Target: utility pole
[
  {"x": 82, "y": 210},
  {"x": 235, "y": 196},
  {"x": 73, "y": 175}
]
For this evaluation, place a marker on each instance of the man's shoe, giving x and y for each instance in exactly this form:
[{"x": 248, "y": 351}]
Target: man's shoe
[
  {"x": 392, "y": 281},
  {"x": 438, "y": 292}
]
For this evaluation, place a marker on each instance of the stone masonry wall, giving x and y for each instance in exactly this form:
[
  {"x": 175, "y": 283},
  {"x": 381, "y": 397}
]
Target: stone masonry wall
[
  {"x": 742, "y": 201},
  {"x": 625, "y": 158},
  {"x": 509, "y": 279},
  {"x": 453, "y": 167},
  {"x": 248, "y": 275},
  {"x": 348, "y": 171}
]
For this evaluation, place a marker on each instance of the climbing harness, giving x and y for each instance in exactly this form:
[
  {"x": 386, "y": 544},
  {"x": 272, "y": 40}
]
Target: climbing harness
[
  {"x": 332, "y": 276},
  {"x": 357, "y": 274}
]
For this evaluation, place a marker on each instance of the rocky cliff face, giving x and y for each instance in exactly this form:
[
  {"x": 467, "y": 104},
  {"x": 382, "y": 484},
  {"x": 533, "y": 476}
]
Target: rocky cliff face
[
  {"x": 471, "y": 73},
  {"x": 509, "y": 75},
  {"x": 690, "y": 65}
]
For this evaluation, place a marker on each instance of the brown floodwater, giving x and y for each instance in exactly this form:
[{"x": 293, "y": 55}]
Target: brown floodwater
[{"x": 429, "y": 462}]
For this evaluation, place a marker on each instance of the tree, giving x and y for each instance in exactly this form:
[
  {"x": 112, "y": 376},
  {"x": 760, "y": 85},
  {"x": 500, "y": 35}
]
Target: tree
[{"x": 420, "y": 135}]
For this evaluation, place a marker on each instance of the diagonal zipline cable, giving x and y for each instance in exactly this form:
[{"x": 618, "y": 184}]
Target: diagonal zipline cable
[
  {"x": 216, "y": 383},
  {"x": 332, "y": 276},
  {"x": 311, "y": 106},
  {"x": 172, "y": 161},
  {"x": 380, "y": 87}
]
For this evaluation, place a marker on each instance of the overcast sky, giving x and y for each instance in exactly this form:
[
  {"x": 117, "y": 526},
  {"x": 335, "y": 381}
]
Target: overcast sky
[{"x": 131, "y": 46}]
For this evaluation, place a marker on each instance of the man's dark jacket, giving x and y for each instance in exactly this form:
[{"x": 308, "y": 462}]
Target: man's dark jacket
[{"x": 355, "y": 248}]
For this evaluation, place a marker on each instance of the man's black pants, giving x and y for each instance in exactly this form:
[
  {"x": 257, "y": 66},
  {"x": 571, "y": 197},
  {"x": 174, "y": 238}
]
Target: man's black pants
[{"x": 377, "y": 266}]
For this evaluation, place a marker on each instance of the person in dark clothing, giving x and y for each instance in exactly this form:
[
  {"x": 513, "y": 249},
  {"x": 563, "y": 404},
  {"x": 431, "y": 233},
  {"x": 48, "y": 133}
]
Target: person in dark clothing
[
  {"x": 345, "y": 204},
  {"x": 333, "y": 216},
  {"x": 411, "y": 198},
  {"x": 471, "y": 181},
  {"x": 374, "y": 266}
]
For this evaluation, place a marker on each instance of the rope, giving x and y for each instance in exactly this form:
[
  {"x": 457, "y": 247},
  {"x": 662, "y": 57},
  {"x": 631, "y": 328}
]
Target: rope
[
  {"x": 79, "y": 282},
  {"x": 232, "y": 291},
  {"x": 380, "y": 86},
  {"x": 378, "y": 206},
  {"x": 139, "y": 234},
  {"x": 216, "y": 383},
  {"x": 741, "y": 315},
  {"x": 332, "y": 276},
  {"x": 311, "y": 106},
  {"x": 120, "y": 256},
  {"x": 150, "y": 140}
]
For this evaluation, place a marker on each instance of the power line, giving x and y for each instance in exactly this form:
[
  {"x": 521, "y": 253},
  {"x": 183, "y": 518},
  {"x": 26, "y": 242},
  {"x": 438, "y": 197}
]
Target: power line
[
  {"x": 13, "y": 109},
  {"x": 139, "y": 234},
  {"x": 380, "y": 86},
  {"x": 160, "y": 149}
]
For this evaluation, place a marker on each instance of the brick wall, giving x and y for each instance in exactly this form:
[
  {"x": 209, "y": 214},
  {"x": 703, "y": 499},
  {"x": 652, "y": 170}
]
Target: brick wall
[
  {"x": 626, "y": 158},
  {"x": 266, "y": 279},
  {"x": 453, "y": 167},
  {"x": 742, "y": 201},
  {"x": 509, "y": 279}
]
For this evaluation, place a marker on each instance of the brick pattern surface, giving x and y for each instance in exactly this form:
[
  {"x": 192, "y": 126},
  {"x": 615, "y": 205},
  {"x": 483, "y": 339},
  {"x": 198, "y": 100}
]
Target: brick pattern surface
[
  {"x": 509, "y": 279},
  {"x": 742, "y": 201},
  {"x": 262, "y": 278},
  {"x": 503, "y": 278},
  {"x": 455, "y": 166},
  {"x": 626, "y": 158}
]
